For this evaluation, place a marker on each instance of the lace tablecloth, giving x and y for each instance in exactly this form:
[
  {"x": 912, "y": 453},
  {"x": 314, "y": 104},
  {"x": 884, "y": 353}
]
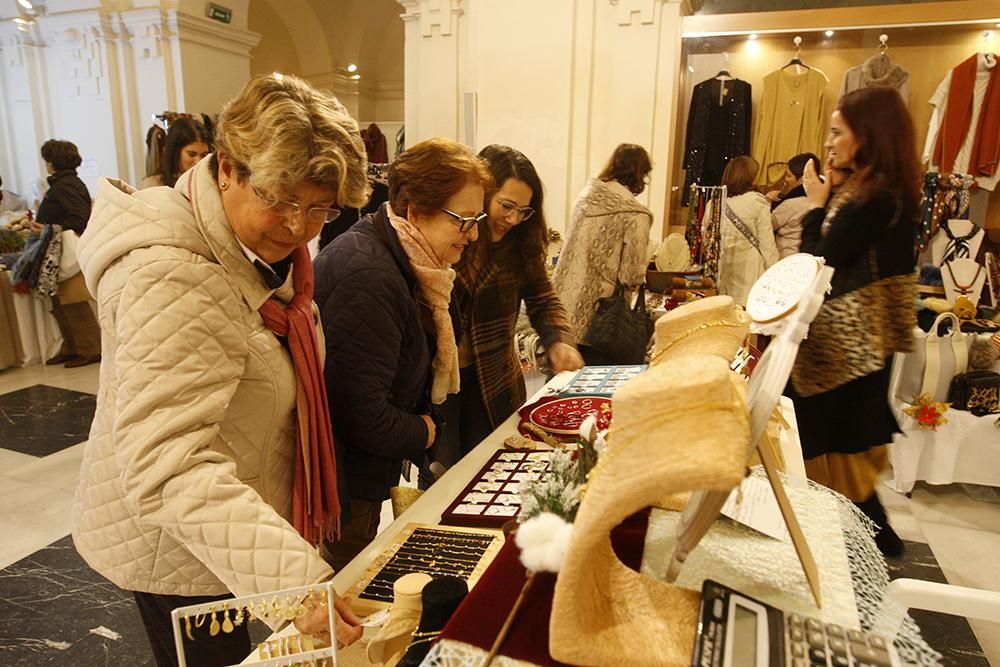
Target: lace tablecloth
[{"x": 853, "y": 572}]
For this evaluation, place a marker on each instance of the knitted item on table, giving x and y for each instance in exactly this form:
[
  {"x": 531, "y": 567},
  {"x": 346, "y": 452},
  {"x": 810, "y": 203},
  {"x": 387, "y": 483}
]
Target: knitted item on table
[{"x": 681, "y": 425}]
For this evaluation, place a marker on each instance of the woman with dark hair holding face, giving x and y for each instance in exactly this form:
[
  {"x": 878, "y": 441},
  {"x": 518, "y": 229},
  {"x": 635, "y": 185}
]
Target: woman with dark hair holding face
[
  {"x": 502, "y": 270},
  {"x": 864, "y": 230},
  {"x": 606, "y": 239}
]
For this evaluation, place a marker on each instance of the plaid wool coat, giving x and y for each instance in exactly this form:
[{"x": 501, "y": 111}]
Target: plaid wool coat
[{"x": 492, "y": 279}]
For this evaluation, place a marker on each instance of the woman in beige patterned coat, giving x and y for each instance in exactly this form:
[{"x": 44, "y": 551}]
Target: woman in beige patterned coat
[{"x": 606, "y": 239}]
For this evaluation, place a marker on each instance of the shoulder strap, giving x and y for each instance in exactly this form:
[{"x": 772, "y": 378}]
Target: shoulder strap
[{"x": 742, "y": 228}]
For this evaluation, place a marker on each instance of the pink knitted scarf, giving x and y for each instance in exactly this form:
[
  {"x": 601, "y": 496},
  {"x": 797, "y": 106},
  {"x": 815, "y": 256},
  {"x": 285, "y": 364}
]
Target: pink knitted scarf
[{"x": 315, "y": 503}]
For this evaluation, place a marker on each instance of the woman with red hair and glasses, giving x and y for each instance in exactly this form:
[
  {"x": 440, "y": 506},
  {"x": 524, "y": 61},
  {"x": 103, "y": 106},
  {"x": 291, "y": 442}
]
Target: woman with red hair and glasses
[{"x": 864, "y": 229}]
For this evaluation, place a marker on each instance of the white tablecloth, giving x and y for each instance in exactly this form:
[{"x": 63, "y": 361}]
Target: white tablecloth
[
  {"x": 966, "y": 449},
  {"x": 40, "y": 337}
]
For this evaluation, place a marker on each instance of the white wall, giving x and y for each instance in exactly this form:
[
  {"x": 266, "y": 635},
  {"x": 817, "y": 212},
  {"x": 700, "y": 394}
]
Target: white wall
[
  {"x": 563, "y": 82},
  {"x": 92, "y": 75}
]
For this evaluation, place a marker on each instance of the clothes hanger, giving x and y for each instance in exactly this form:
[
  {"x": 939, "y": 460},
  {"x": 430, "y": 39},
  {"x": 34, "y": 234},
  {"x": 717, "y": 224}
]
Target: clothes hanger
[
  {"x": 724, "y": 74},
  {"x": 796, "y": 60},
  {"x": 883, "y": 46}
]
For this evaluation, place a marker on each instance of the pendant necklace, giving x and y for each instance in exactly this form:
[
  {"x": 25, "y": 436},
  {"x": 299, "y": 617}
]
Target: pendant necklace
[
  {"x": 964, "y": 289},
  {"x": 958, "y": 246}
]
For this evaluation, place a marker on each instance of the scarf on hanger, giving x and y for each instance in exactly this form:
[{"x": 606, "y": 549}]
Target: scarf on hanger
[
  {"x": 315, "y": 503},
  {"x": 436, "y": 280},
  {"x": 958, "y": 118}
]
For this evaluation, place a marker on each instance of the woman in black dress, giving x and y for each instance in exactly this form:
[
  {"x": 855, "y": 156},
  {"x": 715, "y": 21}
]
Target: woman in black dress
[{"x": 865, "y": 231}]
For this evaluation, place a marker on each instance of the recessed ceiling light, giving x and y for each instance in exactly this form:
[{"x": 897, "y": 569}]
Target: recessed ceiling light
[
  {"x": 828, "y": 33},
  {"x": 752, "y": 35},
  {"x": 278, "y": 76},
  {"x": 355, "y": 77},
  {"x": 351, "y": 67},
  {"x": 26, "y": 4}
]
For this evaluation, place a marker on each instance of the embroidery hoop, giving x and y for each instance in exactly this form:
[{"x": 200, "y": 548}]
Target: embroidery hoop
[
  {"x": 959, "y": 228},
  {"x": 963, "y": 277}
]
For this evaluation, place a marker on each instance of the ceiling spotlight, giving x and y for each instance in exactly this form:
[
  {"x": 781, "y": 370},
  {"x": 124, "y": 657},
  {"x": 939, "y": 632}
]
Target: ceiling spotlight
[
  {"x": 26, "y": 4},
  {"x": 352, "y": 68},
  {"x": 278, "y": 76},
  {"x": 752, "y": 35},
  {"x": 356, "y": 77},
  {"x": 828, "y": 33},
  {"x": 20, "y": 21}
]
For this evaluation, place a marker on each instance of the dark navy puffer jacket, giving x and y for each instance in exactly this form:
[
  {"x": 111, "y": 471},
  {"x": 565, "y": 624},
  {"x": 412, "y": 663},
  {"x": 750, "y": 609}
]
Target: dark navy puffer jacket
[{"x": 379, "y": 345}]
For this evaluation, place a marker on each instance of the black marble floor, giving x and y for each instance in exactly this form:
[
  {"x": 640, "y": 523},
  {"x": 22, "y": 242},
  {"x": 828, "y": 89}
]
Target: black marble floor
[
  {"x": 56, "y": 611},
  {"x": 952, "y": 636},
  {"x": 43, "y": 420}
]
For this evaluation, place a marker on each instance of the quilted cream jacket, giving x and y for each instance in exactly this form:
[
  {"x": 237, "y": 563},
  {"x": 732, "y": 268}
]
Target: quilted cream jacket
[{"x": 185, "y": 487}]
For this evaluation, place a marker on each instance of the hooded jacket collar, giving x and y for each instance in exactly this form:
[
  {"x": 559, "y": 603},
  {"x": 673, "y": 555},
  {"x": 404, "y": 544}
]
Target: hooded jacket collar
[{"x": 189, "y": 216}]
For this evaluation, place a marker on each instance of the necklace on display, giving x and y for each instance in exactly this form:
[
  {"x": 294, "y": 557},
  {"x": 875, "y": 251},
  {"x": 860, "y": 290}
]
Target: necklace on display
[
  {"x": 964, "y": 289},
  {"x": 958, "y": 246}
]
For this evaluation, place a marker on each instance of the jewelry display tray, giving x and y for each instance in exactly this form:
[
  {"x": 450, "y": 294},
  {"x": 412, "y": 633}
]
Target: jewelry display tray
[
  {"x": 491, "y": 499},
  {"x": 600, "y": 380},
  {"x": 373, "y": 591}
]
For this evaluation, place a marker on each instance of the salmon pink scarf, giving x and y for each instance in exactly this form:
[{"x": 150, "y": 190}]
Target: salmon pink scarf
[{"x": 315, "y": 503}]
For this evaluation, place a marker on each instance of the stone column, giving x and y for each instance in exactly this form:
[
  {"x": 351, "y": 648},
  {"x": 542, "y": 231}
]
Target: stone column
[{"x": 432, "y": 93}]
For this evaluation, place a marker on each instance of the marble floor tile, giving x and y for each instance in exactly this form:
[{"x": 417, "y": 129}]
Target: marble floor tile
[
  {"x": 952, "y": 505},
  {"x": 59, "y": 471},
  {"x": 952, "y": 636},
  {"x": 52, "y": 602},
  {"x": 968, "y": 558},
  {"x": 33, "y": 524},
  {"x": 42, "y": 420},
  {"x": 83, "y": 379},
  {"x": 901, "y": 516}
]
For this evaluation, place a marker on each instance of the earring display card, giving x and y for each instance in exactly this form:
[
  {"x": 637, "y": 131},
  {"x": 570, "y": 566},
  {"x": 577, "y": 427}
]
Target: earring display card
[
  {"x": 600, "y": 380},
  {"x": 491, "y": 499},
  {"x": 434, "y": 550},
  {"x": 283, "y": 648}
]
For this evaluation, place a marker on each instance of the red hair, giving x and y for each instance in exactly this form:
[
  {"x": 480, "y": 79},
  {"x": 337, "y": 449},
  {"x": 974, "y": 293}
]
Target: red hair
[{"x": 886, "y": 158}]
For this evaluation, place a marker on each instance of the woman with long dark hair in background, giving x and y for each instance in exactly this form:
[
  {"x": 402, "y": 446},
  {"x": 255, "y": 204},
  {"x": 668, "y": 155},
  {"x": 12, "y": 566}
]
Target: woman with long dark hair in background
[
  {"x": 864, "y": 230},
  {"x": 188, "y": 141}
]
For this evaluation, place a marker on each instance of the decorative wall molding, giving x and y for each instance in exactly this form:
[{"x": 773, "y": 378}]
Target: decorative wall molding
[
  {"x": 212, "y": 33},
  {"x": 442, "y": 14},
  {"x": 627, "y": 10}
]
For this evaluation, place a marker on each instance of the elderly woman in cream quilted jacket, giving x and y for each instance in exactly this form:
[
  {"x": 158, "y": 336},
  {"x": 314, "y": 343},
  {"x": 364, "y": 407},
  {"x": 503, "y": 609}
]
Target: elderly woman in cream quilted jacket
[{"x": 193, "y": 484}]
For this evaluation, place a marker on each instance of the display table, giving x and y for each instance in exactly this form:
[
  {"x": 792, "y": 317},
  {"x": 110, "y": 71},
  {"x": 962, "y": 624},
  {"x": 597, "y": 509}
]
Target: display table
[
  {"x": 37, "y": 328},
  {"x": 966, "y": 449},
  {"x": 11, "y": 352},
  {"x": 429, "y": 507}
]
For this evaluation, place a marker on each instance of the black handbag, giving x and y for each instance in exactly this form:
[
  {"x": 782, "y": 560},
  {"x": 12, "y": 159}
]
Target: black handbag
[
  {"x": 619, "y": 333},
  {"x": 976, "y": 391}
]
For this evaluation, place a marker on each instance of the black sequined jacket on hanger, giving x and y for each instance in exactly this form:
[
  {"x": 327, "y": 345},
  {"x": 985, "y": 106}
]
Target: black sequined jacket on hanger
[{"x": 716, "y": 132}]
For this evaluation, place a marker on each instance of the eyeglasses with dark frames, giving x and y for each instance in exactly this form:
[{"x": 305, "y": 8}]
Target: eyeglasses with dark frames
[
  {"x": 316, "y": 215},
  {"x": 508, "y": 207},
  {"x": 465, "y": 224}
]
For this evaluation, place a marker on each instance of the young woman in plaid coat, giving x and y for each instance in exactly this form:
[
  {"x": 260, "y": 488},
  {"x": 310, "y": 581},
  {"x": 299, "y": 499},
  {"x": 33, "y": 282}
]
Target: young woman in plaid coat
[{"x": 504, "y": 268}]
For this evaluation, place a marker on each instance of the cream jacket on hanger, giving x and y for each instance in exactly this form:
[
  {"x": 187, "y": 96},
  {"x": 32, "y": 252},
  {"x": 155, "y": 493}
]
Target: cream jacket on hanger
[{"x": 186, "y": 483}]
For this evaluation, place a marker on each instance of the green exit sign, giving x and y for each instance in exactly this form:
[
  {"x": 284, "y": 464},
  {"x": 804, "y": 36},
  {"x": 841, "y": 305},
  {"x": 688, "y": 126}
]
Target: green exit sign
[{"x": 219, "y": 13}]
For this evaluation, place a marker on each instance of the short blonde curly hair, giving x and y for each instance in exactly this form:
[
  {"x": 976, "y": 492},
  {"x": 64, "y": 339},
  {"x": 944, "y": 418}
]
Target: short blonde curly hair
[{"x": 280, "y": 131}]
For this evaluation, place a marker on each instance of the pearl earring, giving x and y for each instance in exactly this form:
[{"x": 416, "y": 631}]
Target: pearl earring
[{"x": 223, "y": 186}]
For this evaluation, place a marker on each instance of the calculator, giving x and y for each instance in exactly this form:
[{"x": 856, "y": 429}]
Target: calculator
[{"x": 738, "y": 631}]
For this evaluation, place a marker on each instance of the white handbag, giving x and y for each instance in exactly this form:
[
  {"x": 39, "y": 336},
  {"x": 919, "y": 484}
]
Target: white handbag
[
  {"x": 934, "y": 361},
  {"x": 69, "y": 265}
]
